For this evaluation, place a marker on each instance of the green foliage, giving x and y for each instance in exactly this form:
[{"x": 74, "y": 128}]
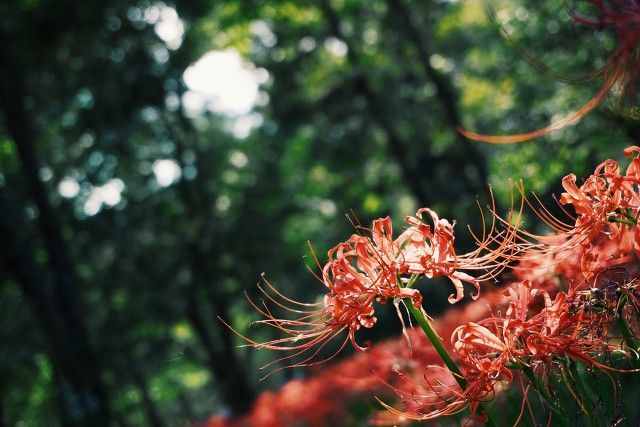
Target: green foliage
[{"x": 353, "y": 122}]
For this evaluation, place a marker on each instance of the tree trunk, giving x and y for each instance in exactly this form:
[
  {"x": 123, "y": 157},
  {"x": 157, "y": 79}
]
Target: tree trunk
[
  {"x": 224, "y": 362},
  {"x": 151, "y": 411},
  {"x": 77, "y": 398},
  {"x": 186, "y": 408},
  {"x": 3, "y": 414},
  {"x": 121, "y": 420},
  {"x": 238, "y": 394},
  {"x": 83, "y": 393}
]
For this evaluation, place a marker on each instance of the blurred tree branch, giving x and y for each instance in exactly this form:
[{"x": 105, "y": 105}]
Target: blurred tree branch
[{"x": 225, "y": 363}]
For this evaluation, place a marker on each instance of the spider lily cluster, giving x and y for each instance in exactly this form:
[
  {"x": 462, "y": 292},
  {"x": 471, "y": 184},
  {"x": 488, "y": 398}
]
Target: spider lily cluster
[{"x": 573, "y": 298}]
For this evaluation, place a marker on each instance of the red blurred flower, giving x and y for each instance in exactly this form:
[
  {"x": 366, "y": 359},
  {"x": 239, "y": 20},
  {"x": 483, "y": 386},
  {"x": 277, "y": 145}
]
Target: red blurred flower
[{"x": 324, "y": 397}]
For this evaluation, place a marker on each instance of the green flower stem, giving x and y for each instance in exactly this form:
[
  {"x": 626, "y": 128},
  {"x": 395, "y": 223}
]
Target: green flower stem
[
  {"x": 540, "y": 388},
  {"x": 585, "y": 391},
  {"x": 627, "y": 335},
  {"x": 420, "y": 317},
  {"x": 424, "y": 323},
  {"x": 626, "y": 221},
  {"x": 571, "y": 387},
  {"x": 625, "y": 217}
]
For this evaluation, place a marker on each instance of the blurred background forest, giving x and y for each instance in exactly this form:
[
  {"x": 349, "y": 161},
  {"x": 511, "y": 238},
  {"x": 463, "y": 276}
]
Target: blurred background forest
[{"x": 157, "y": 157}]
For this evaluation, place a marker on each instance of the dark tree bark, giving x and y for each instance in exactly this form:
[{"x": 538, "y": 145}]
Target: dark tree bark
[
  {"x": 121, "y": 421},
  {"x": 632, "y": 129},
  {"x": 225, "y": 364},
  {"x": 185, "y": 407},
  {"x": 151, "y": 411},
  {"x": 84, "y": 399},
  {"x": 222, "y": 361},
  {"x": 78, "y": 397},
  {"x": 3, "y": 414}
]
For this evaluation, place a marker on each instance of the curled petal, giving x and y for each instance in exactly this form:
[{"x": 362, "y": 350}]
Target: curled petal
[
  {"x": 473, "y": 337},
  {"x": 457, "y": 277}
]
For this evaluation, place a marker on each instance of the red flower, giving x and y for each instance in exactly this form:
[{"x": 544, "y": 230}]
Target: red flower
[
  {"x": 363, "y": 270},
  {"x": 431, "y": 252},
  {"x": 359, "y": 272},
  {"x": 489, "y": 349},
  {"x": 367, "y": 269},
  {"x": 304, "y": 336},
  {"x": 605, "y": 229}
]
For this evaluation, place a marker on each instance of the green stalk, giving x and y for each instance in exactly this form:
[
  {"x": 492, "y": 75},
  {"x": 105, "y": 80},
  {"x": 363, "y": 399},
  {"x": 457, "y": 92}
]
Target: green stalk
[
  {"x": 433, "y": 337},
  {"x": 571, "y": 385},
  {"x": 585, "y": 391},
  {"x": 627, "y": 335},
  {"x": 421, "y": 318},
  {"x": 541, "y": 389}
]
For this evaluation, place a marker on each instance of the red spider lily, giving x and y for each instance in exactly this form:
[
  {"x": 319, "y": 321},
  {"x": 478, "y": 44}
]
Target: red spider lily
[
  {"x": 305, "y": 336},
  {"x": 437, "y": 394},
  {"x": 324, "y": 396},
  {"x": 531, "y": 325},
  {"x": 367, "y": 269},
  {"x": 548, "y": 269},
  {"x": 619, "y": 73},
  {"x": 364, "y": 269},
  {"x": 359, "y": 272},
  {"x": 482, "y": 357},
  {"x": 489, "y": 349},
  {"x": 604, "y": 232},
  {"x": 431, "y": 252},
  {"x": 560, "y": 331},
  {"x": 607, "y": 206},
  {"x": 564, "y": 326}
]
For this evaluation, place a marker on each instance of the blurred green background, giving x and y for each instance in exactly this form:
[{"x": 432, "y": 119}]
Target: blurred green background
[{"x": 156, "y": 157}]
